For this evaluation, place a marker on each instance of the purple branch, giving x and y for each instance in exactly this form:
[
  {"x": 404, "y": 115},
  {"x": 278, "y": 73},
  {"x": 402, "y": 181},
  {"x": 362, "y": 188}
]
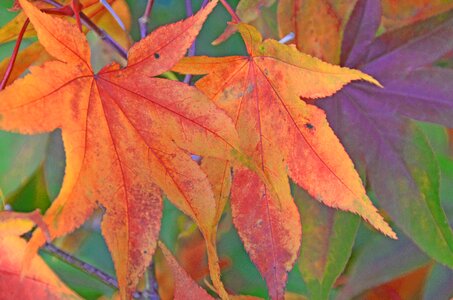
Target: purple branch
[
  {"x": 152, "y": 289},
  {"x": 95, "y": 272},
  {"x": 144, "y": 20},
  {"x": 192, "y": 49},
  {"x": 79, "y": 264}
]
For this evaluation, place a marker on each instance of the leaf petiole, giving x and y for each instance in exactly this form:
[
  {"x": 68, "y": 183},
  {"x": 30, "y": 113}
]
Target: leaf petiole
[
  {"x": 231, "y": 11},
  {"x": 9, "y": 69}
]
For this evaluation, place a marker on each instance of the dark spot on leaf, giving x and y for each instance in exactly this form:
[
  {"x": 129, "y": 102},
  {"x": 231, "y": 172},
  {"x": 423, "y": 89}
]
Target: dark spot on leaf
[
  {"x": 156, "y": 55},
  {"x": 309, "y": 126}
]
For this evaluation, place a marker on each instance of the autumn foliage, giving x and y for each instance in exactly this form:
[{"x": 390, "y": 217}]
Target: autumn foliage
[{"x": 172, "y": 157}]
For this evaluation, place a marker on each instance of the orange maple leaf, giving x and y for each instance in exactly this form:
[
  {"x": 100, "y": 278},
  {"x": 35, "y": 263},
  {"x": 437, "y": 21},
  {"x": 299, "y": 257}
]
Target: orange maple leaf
[
  {"x": 39, "y": 282},
  {"x": 185, "y": 287},
  {"x": 94, "y": 10},
  {"x": 316, "y": 25},
  {"x": 285, "y": 136},
  {"x": 126, "y": 136}
]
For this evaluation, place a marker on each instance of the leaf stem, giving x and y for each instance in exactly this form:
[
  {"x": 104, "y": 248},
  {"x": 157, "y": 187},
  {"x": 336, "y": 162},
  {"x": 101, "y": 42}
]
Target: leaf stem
[
  {"x": 287, "y": 38},
  {"x": 231, "y": 11},
  {"x": 144, "y": 20},
  {"x": 76, "y": 9},
  {"x": 100, "y": 32},
  {"x": 192, "y": 49},
  {"x": 152, "y": 288},
  {"x": 12, "y": 60},
  {"x": 214, "y": 266},
  {"x": 108, "y": 280}
]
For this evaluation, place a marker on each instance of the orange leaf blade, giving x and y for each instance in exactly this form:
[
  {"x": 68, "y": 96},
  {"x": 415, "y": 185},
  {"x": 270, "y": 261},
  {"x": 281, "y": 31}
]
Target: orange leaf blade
[{"x": 185, "y": 287}]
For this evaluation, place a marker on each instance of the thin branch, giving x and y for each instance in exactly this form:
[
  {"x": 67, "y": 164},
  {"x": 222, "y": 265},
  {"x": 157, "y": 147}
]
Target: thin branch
[
  {"x": 113, "y": 13},
  {"x": 9, "y": 69},
  {"x": 231, "y": 11},
  {"x": 100, "y": 32},
  {"x": 192, "y": 49},
  {"x": 95, "y": 272},
  {"x": 103, "y": 35},
  {"x": 287, "y": 38},
  {"x": 86, "y": 267},
  {"x": 144, "y": 20},
  {"x": 153, "y": 288},
  {"x": 189, "y": 10}
]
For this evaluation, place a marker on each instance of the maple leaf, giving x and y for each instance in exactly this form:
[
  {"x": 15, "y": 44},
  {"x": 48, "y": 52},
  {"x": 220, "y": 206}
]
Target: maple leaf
[
  {"x": 396, "y": 148},
  {"x": 316, "y": 25},
  {"x": 319, "y": 24},
  {"x": 93, "y": 9},
  {"x": 126, "y": 136},
  {"x": 248, "y": 11},
  {"x": 403, "y": 12},
  {"x": 185, "y": 287},
  {"x": 25, "y": 59},
  {"x": 284, "y": 135},
  {"x": 396, "y": 259},
  {"x": 35, "y": 54},
  {"x": 25, "y": 218},
  {"x": 39, "y": 282},
  {"x": 327, "y": 243}
]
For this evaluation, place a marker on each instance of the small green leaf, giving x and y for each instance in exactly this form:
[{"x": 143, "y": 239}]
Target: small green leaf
[
  {"x": 32, "y": 195},
  {"x": 327, "y": 239}
]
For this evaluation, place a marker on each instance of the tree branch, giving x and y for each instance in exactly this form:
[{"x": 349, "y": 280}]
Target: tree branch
[
  {"x": 79, "y": 264},
  {"x": 153, "y": 288},
  {"x": 144, "y": 20},
  {"x": 231, "y": 11},
  {"x": 108, "y": 280},
  {"x": 192, "y": 49}
]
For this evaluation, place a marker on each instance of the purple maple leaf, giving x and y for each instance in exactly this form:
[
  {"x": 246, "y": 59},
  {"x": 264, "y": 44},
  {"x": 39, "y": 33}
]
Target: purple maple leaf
[{"x": 375, "y": 124}]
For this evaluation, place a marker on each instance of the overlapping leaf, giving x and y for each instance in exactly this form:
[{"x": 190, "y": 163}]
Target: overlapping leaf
[
  {"x": 393, "y": 260},
  {"x": 398, "y": 160},
  {"x": 403, "y": 12},
  {"x": 326, "y": 245},
  {"x": 185, "y": 287},
  {"x": 39, "y": 282},
  {"x": 35, "y": 53},
  {"x": 319, "y": 25},
  {"x": 316, "y": 25},
  {"x": 93, "y": 9},
  {"x": 284, "y": 135},
  {"x": 251, "y": 12},
  {"x": 124, "y": 134},
  {"x": 439, "y": 283}
]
